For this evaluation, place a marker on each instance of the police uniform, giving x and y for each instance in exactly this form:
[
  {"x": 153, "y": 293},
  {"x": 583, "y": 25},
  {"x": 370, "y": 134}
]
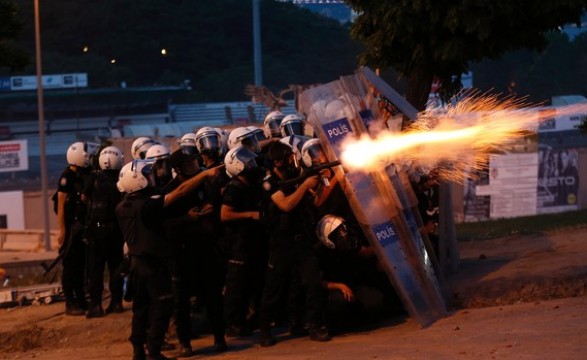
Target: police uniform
[
  {"x": 211, "y": 263},
  {"x": 105, "y": 242},
  {"x": 140, "y": 215},
  {"x": 247, "y": 256},
  {"x": 373, "y": 295},
  {"x": 291, "y": 256},
  {"x": 72, "y": 183},
  {"x": 192, "y": 256}
]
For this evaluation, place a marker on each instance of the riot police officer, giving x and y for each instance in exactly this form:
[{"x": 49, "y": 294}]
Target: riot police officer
[
  {"x": 358, "y": 291},
  {"x": 140, "y": 215},
  {"x": 197, "y": 269},
  {"x": 290, "y": 251},
  {"x": 71, "y": 216},
  {"x": 105, "y": 243},
  {"x": 247, "y": 248}
]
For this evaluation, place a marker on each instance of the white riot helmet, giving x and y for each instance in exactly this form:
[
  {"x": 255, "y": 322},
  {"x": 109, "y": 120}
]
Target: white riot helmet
[
  {"x": 292, "y": 124},
  {"x": 333, "y": 234},
  {"x": 187, "y": 143},
  {"x": 244, "y": 136},
  {"x": 111, "y": 158},
  {"x": 313, "y": 153},
  {"x": 296, "y": 142},
  {"x": 135, "y": 176},
  {"x": 238, "y": 159},
  {"x": 271, "y": 124},
  {"x": 161, "y": 169},
  {"x": 208, "y": 140},
  {"x": 80, "y": 153},
  {"x": 140, "y": 146},
  {"x": 157, "y": 151}
]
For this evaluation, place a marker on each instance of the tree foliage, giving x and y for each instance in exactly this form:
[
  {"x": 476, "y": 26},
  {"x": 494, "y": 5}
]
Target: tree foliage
[
  {"x": 11, "y": 56},
  {"x": 423, "y": 39},
  {"x": 560, "y": 69},
  {"x": 208, "y": 42}
]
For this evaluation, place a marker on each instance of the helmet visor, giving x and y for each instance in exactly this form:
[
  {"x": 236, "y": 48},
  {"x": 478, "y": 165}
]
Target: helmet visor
[
  {"x": 273, "y": 126},
  {"x": 248, "y": 158},
  {"x": 251, "y": 143},
  {"x": 210, "y": 143},
  {"x": 293, "y": 128},
  {"x": 259, "y": 135},
  {"x": 342, "y": 239},
  {"x": 317, "y": 154},
  {"x": 146, "y": 169},
  {"x": 188, "y": 146},
  {"x": 188, "y": 149}
]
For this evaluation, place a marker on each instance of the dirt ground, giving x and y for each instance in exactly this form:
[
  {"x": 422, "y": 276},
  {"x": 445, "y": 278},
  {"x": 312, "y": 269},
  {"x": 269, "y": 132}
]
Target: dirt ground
[{"x": 520, "y": 297}]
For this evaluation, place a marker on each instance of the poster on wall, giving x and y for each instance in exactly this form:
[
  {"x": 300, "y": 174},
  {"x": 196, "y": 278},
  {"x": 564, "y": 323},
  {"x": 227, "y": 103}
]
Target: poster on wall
[
  {"x": 475, "y": 206},
  {"x": 14, "y": 156},
  {"x": 558, "y": 179},
  {"x": 512, "y": 185}
]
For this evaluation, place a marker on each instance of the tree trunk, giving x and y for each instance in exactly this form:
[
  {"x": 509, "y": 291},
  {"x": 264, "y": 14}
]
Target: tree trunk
[{"x": 419, "y": 84}]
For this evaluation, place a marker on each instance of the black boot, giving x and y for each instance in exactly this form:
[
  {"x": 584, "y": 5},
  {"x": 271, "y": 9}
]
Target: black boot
[
  {"x": 266, "y": 338},
  {"x": 219, "y": 344},
  {"x": 115, "y": 308},
  {"x": 95, "y": 311},
  {"x": 296, "y": 328},
  {"x": 72, "y": 309},
  {"x": 319, "y": 333}
]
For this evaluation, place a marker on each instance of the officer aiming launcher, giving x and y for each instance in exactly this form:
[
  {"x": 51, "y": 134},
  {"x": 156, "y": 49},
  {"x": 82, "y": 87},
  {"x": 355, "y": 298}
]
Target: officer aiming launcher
[{"x": 311, "y": 171}]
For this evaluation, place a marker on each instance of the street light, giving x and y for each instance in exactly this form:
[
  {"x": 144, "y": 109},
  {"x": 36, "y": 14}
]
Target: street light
[
  {"x": 41, "y": 112},
  {"x": 257, "y": 43}
]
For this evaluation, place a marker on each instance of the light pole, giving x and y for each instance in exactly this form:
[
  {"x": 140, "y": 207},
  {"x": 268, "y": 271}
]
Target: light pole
[
  {"x": 257, "y": 44},
  {"x": 41, "y": 112}
]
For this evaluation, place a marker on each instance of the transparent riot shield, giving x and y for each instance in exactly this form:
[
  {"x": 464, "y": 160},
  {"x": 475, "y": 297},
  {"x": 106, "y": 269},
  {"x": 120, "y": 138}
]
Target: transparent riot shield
[{"x": 336, "y": 113}]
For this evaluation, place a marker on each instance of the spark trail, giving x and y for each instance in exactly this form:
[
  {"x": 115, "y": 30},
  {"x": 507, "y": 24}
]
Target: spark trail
[{"x": 459, "y": 138}]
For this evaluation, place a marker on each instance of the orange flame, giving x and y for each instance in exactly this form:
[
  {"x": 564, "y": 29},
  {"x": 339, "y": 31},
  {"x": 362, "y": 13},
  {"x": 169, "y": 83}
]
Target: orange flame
[{"x": 459, "y": 138}]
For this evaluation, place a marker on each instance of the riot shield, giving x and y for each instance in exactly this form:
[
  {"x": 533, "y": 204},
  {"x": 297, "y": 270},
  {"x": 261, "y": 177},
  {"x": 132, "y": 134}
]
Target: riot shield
[{"x": 341, "y": 109}]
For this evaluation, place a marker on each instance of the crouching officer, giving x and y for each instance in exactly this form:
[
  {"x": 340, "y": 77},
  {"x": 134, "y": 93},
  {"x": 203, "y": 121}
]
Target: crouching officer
[
  {"x": 140, "y": 215},
  {"x": 358, "y": 290},
  {"x": 105, "y": 243}
]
